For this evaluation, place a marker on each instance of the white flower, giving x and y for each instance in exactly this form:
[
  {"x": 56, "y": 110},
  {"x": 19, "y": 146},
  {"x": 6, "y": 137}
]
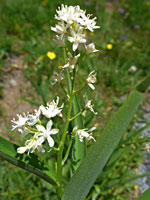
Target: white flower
[
  {"x": 132, "y": 69},
  {"x": 31, "y": 145},
  {"x": 90, "y": 48},
  {"x": 77, "y": 37},
  {"x": 88, "y": 104},
  {"x": 72, "y": 61},
  {"x": 45, "y": 133},
  {"x": 84, "y": 133},
  {"x": 57, "y": 77},
  {"x": 60, "y": 28},
  {"x": 20, "y": 122},
  {"x": 24, "y": 131},
  {"x": 91, "y": 79},
  {"x": 33, "y": 119},
  {"x": 88, "y": 23},
  {"x": 69, "y": 14},
  {"x": 52, "y": 109},
  {"x": 60, "y": 40}
]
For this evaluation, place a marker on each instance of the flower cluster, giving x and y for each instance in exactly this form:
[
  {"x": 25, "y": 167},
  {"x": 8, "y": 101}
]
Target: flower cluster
[
  {"x": 72, "y": 24},
  {"x": 31, "y": 124}
]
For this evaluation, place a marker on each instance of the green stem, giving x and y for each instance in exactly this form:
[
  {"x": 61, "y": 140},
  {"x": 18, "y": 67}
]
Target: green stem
[
  {"x": 80, "y": 113},
  {"x": 63, "y": 88},
  {"x": 60, "y": 153},
  {"x": 67, "y": 152},
  {"x": 81, "y": 88},
  {"x": 61, "y": 146}
]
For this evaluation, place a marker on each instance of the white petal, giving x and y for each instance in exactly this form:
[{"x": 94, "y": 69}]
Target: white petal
[
  {"x": 91, "y": 86},
  {"x": 66, "y": 65},
  {"x": 53, "y": 29},
  {"x": 49, "y": 125},
  {"x": 83, "y": 41},
  {"x": 40, "y": 140},
  {"x": 21, "y": 149},
  {"x": 40, "y": 128},
  {"x": 71, "y": 39},
  {"x": 50, "y": 141},
  {"x": 92, "y": 129},
  {"x": 75, "y": 46},
  {"x": 54, "y": 131}
]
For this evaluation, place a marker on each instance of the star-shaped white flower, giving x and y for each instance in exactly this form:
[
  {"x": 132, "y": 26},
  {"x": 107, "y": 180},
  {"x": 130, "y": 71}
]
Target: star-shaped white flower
[
  {"x": 77, "y": 37},
  {"x": 69, "y": 14},
  {"x": 60, "y": 40},
  {"x": 46, "y": 133},
  {"x": 90, "y": 48},
  {"x": 84, "y": 133},
  {"x": 72, "y": 61},
  {"x": 89, "y": 105},
  {"x": 91, "y": 79},
  {"x": 33, "y": 118},
  {"x": 52, "y": 109},
  {"x": 88, "y": 23},
  {"x": 20, "y": 122},
  {"x": 60, "y": 28},
  {"x": 31, "y": 145},
  {"x": 57, "y": 77}
]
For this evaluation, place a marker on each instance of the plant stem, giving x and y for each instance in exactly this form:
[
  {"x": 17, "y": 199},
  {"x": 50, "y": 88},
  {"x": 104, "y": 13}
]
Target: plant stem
[
  {"x": 67, "y": 153},
  {"x": 60, "y": 153},
  {"x": 81, "y": 88},
  {"x": 80, "y": 113},
  {"x": 61, "y": 146}
]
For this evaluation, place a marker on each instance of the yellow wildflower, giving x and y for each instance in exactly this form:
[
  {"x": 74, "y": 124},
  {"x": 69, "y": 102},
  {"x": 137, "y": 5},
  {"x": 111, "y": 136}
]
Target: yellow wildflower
[
  {"x": 41, "y": 57},
  {"x": 136, "y": 170},
  {"x": 109, "y": 46},
  {"x": 44, "y": 3},
  {"x": 136, "y": 187},
  {"x": 147, "y": 3},
  {"x": 51, "y": 55},
  {"x": 60, "y": 66}
]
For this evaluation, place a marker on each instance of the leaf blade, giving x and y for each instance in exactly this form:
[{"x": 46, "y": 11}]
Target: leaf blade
[
  {"x": 145, "y": 195},
  {"x": 31, "y": 163},
  {"x": 99, "y": 153}
]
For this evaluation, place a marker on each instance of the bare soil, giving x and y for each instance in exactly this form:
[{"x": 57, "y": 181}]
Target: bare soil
[{"x": 15, "y": 86}]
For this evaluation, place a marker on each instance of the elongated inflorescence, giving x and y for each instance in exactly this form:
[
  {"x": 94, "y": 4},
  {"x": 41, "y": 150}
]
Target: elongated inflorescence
[{"x": 72, "y": 27}]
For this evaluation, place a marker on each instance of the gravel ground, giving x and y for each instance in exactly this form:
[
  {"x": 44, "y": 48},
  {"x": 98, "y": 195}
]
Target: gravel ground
[{"x": 144, "y": 183}]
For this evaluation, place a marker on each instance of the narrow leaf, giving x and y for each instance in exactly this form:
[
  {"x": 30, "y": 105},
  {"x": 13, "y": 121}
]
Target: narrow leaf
[
  {"x": 99, "y": 153},
  {"x": 31, "y": 163},
  {"x": 79, "y": 148}
]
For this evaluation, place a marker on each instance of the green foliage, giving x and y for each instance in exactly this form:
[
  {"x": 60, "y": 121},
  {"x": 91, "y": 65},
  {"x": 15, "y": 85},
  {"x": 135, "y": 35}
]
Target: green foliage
[
  {"x": 99, "y": 153},
  {"x": 145, "y": 195}
]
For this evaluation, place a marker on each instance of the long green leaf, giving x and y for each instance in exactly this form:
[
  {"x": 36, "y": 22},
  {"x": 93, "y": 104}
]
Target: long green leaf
[
  {"x": 79, "y": 148},
  {"x": 145, "y": 195},
  {"x": 31, "y": 163},
  {"x": 99, "y": 153}
]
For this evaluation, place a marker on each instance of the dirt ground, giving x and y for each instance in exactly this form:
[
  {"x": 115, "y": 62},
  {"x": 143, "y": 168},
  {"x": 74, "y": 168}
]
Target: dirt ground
[{"x": 15, "y": 87}]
